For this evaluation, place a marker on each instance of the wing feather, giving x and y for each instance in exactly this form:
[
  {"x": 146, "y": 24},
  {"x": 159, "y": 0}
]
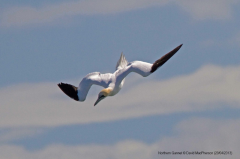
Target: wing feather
[
  {"x": 142, "y": 68},
  {"x": 93, "y": 78},
  {"x": 122, "y": 62},
  {"x": 164, "y": 59}
]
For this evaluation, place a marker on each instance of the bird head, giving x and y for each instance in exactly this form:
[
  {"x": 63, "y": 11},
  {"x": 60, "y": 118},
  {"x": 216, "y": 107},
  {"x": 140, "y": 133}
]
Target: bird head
[{"x": 103, "y": 94}]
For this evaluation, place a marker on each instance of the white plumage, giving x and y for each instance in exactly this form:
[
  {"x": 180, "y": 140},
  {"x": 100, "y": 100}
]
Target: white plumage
[{"x": 113, "y": 82}]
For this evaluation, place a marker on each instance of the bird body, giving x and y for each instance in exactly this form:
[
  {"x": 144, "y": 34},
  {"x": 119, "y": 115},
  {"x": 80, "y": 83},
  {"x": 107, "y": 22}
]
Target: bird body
[{"x": 113, "y": 82}]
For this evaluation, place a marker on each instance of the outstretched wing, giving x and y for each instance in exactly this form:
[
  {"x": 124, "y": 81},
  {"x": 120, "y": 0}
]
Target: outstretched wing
[
  {"x": 164, "y": 59},
  {"x": 144, "y": 68},
  {"x": 93, "y": 78},
  {"x": 69, "y": 90}
]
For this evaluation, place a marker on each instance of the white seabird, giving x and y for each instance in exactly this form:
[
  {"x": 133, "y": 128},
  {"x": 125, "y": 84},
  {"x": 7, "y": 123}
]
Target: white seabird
[{"x": 113, "y": 82}]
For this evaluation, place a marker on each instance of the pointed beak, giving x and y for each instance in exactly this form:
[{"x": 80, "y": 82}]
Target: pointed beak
[{"x": 99, "y": 99}]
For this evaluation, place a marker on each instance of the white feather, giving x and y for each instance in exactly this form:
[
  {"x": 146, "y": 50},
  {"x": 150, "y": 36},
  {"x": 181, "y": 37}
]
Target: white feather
[
  {"x": 116, "y": 80},
  {"x": 122, "y": 62},
  {"x": 92, "y": 78}
]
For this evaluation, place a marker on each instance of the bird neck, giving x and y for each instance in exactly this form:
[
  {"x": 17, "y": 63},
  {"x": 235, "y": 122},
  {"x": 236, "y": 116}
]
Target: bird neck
[{"x": 106, "y": 91}]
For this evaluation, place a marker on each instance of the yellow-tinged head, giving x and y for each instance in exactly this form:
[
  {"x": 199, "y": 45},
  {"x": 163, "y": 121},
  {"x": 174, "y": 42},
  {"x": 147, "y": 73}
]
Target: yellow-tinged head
[{"x": 103, "y": 94}]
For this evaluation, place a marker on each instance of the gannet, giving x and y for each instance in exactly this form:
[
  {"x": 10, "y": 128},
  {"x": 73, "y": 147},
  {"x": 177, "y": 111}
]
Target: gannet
[{"x": 113, "y": 82}]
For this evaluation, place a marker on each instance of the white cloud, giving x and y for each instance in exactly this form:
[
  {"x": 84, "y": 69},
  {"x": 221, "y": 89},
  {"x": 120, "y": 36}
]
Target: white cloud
[
  {"x": 25, "y": 15},
  {"x": 44, "y": 104},
  {"x": 18, "y": 16},
  {"x": 205, "y": 9},
  {"x": 19, "y": 133},
  {"x": 190, "y": 135}
]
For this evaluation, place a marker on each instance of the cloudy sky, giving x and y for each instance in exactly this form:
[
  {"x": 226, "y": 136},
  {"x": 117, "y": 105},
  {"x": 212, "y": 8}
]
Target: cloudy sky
[{"x": 192, "y": 103}]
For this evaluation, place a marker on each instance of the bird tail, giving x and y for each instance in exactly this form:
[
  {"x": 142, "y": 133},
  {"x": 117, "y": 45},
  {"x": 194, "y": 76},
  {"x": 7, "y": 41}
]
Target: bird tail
[
  {"x": 69, "y": 90},
  {"x": 122, "y": 62}
]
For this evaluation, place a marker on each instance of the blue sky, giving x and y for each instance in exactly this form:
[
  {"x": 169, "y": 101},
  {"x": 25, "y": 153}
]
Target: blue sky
[{"x": 190, "y": 103}]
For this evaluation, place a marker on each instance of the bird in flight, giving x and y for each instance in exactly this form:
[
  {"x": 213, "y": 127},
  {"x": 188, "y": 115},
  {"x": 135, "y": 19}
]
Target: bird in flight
[{"x": 113, "y": 82}]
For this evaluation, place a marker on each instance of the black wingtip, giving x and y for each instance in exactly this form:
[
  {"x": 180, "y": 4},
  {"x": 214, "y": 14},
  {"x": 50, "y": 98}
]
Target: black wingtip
[
  {"x": 164, "y": 59},
  {"x": 180, "y": 46},
  {"x": 176, "y": 49},
  {"x": 69, "y": 90}
]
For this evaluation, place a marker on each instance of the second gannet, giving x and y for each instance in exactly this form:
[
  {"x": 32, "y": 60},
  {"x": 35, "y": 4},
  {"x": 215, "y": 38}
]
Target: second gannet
[{"x": 113, "y": 82}]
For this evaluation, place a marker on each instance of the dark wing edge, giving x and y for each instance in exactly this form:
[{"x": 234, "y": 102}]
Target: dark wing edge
[
  {"x": 69, "y": 90},
  {"x": 164, "y": 59}
]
